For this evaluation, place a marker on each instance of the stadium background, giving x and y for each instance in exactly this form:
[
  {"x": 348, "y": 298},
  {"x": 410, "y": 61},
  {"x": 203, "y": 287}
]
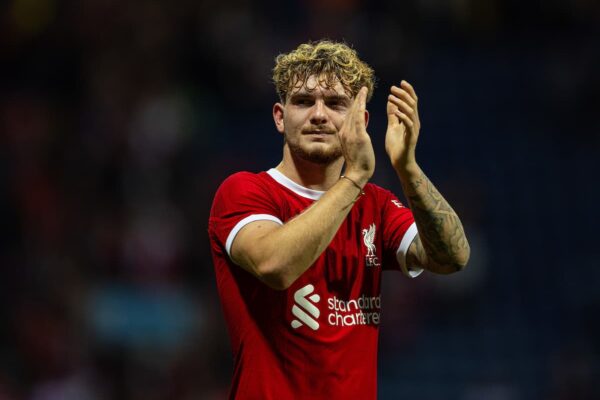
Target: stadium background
[{"x": 118, "y": 119}]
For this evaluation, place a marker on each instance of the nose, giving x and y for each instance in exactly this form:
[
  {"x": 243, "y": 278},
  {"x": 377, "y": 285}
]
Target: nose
[{"x": 319, "y": 114}]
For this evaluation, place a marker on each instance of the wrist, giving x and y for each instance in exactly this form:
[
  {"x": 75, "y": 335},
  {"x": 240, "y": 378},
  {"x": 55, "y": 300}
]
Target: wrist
[
  {"x": 356, "y": 185},
  {"x": 358, "y": 179},
  {"x": 407, "y": 172}
]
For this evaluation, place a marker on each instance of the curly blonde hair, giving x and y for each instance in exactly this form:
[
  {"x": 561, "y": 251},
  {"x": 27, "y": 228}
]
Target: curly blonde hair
[{"x": 330, "y": 61}]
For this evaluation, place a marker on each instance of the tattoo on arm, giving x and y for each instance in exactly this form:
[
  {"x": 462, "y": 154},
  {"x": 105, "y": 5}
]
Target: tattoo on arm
[
  {"x": 415, "y": 185},
  {"x": 441, "y": 245}
]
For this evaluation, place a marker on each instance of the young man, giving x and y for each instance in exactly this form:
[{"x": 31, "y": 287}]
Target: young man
[{"x": 299, "y": 249}]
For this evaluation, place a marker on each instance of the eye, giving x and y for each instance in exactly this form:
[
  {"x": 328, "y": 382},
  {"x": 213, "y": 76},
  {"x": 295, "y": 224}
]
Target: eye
[
  {"x": 336, "y": 104},
  {"x": 303, "y": 101}
]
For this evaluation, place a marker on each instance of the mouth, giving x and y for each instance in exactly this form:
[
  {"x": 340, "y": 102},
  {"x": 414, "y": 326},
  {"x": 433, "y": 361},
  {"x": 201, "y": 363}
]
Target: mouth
[
  {"x": 318, "y": 136},
  {"x": 320, "y": 133}
]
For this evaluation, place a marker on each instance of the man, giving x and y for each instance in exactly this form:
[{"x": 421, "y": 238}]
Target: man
[{"x": 299, "y": 249}]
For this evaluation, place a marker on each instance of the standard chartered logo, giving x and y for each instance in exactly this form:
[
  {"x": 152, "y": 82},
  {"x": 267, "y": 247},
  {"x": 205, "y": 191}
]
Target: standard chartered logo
[
  {"x": 363, "y": 310},
  {"x": 304, "y": 310}
]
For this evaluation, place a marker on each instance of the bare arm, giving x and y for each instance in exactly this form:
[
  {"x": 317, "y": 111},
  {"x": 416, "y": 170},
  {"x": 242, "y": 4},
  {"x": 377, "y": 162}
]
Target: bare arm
[
  {"x": 277, "y": 254},
  {"x": 441, "y": 245}
]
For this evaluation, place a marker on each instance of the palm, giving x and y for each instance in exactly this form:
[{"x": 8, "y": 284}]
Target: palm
[{"x": 395, "y": 136}]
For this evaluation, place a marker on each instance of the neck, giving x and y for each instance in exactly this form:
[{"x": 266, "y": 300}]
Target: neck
[{"x": 308, "y": 174}]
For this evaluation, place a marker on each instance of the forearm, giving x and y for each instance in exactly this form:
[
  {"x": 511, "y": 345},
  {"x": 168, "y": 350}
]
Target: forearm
[
  {"x": 440, "y": 230},
  {"x": 283, "y": 254}
]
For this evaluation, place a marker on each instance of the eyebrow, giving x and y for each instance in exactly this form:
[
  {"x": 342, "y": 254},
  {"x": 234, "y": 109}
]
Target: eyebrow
[
  {"x": 304, "y": 94},
  {"x": 338, "y": 97}
]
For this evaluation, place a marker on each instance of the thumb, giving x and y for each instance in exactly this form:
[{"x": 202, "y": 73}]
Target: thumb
[{"x": 391, "y": 109}]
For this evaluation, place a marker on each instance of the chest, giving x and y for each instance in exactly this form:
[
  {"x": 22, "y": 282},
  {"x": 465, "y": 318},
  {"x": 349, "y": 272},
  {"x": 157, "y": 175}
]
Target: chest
[{"x": 353, "y": 260}]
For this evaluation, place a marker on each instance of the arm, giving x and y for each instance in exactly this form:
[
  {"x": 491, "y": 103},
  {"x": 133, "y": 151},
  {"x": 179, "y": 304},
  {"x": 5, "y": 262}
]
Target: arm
[
  {"x": 279, "y": 254},
  {"x": 441, "y": 245}
]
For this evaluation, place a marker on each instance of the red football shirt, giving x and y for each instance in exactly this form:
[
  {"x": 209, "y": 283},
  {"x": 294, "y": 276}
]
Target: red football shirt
[{"x": 317, "y": 339}]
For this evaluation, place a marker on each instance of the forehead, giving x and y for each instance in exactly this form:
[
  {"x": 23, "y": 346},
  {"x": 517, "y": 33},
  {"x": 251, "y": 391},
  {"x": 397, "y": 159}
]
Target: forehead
[{"x": 318, "y": 85}]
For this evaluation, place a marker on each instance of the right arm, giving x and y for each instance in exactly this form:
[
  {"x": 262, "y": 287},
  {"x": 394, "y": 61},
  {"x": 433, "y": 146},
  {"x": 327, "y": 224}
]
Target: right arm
[{"x": 279, "y": 254}]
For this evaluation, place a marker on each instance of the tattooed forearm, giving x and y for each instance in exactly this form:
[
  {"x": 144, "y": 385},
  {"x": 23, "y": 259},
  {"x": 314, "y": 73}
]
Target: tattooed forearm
[
  {"x": 442, "y": 245},
  {"x": 415, "y": 185}
]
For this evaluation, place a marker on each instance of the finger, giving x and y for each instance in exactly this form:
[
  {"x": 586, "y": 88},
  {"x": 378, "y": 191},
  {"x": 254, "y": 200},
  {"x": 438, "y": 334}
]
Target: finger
[
  {"x": 391, "y": 108},
  {"x": 355, "y": 116},
  {"x": 401, "y": 104},
  {"x": 361, "y": 99},
  {"x": 357, "y": 104},
  {"x": 352, "y": 110},
  {"x": 407, "y": 86},
  {"x": 404, "y": 95},
  {"x": 405, "y": 119},
  {"x": 361, "y": 105}
]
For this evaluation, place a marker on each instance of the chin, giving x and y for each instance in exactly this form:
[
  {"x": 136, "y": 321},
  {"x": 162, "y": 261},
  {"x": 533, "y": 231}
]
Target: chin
[{"x": 318, "y": 155}]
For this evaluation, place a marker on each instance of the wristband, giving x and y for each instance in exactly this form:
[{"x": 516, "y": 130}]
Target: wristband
[{"x": 354, "y": 183}]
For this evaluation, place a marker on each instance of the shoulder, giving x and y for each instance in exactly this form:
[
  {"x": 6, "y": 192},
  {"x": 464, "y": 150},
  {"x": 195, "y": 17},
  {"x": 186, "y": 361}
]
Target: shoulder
[
  {"x": 372, "y": 187},
  {"x": 242, "y": 181},
  {"x": 382, "y": 196},
  {"x": 377, "y": 192},
  {"x": 243, "y": 177},
  {"x": 242, "y": 190}
]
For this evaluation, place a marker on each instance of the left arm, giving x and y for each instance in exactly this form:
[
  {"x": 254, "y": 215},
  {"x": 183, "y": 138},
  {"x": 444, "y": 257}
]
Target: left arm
[{"x": 441, "y": 245}]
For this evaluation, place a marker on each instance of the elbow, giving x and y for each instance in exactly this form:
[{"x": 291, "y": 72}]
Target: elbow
[
  {"x": 456, "y": 263},
  {"x": 461, "y": 259},
  {"x": 466, "y": 255},
  {"x": 276, "y": 282},
  {"x": 274, "y": 276},
  {"x": 460, "y": 265}
]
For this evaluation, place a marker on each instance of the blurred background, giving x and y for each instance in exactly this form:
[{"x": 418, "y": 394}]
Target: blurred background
[{"x": 119, "y": 119}]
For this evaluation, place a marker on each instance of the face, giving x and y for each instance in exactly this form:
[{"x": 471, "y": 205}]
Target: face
[{"x": 310, "y": 120}]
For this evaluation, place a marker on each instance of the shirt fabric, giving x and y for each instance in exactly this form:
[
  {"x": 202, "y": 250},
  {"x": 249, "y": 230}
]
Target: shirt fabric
[{"x": 318, "y": 338}]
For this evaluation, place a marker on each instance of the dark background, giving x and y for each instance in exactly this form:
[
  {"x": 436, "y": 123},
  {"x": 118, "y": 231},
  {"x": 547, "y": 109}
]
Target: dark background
[{"x": 119, "y": 119}]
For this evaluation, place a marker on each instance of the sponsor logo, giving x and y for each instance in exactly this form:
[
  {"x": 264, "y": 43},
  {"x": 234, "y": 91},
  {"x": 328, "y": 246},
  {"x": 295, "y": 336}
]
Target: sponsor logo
[
  {"x": 304, "y": 309},
  {"x": 368, "y": 239},
  {"x": 364, "y": 310}
]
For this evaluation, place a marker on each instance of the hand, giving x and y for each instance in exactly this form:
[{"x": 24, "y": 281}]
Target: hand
[
  {"x": 356, "y": 143},
  {"x": 403, "y": 127}
]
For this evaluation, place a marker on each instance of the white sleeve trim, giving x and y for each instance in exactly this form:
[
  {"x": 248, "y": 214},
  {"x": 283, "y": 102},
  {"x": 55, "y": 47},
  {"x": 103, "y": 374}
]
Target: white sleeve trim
[
  {"x": 243, "y": 223},
  {"x": 407, "y": 239}
]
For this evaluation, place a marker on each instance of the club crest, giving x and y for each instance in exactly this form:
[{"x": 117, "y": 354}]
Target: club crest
[{"x": 369, "y": 240}]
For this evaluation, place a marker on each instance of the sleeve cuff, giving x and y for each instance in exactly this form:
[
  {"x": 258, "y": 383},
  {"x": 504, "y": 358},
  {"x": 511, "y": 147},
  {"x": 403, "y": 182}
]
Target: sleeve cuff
[
  {"x": 244, "y": 222},
  {"x": 407, "y": 239}
]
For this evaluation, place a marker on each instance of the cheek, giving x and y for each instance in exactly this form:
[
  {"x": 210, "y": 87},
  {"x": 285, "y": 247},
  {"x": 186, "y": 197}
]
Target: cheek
[
  {"x": 338, "y": 121},
  {"x": 292, "y": 125},
  {"x": 292, "y": 119}
]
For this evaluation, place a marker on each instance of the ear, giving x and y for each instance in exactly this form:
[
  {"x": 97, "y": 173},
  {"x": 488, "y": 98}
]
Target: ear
[
  {"x": 278, "y": 117},
  {"x": 366, "y": 118}
]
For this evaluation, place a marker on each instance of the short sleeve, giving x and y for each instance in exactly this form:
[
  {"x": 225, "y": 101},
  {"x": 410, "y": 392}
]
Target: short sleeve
[
  {"x": 241, "y": 199},
  {"x": 399, "y": 231}
]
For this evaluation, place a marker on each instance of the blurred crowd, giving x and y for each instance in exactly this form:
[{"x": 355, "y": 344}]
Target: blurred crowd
[{"x": 119, "y": 119}]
